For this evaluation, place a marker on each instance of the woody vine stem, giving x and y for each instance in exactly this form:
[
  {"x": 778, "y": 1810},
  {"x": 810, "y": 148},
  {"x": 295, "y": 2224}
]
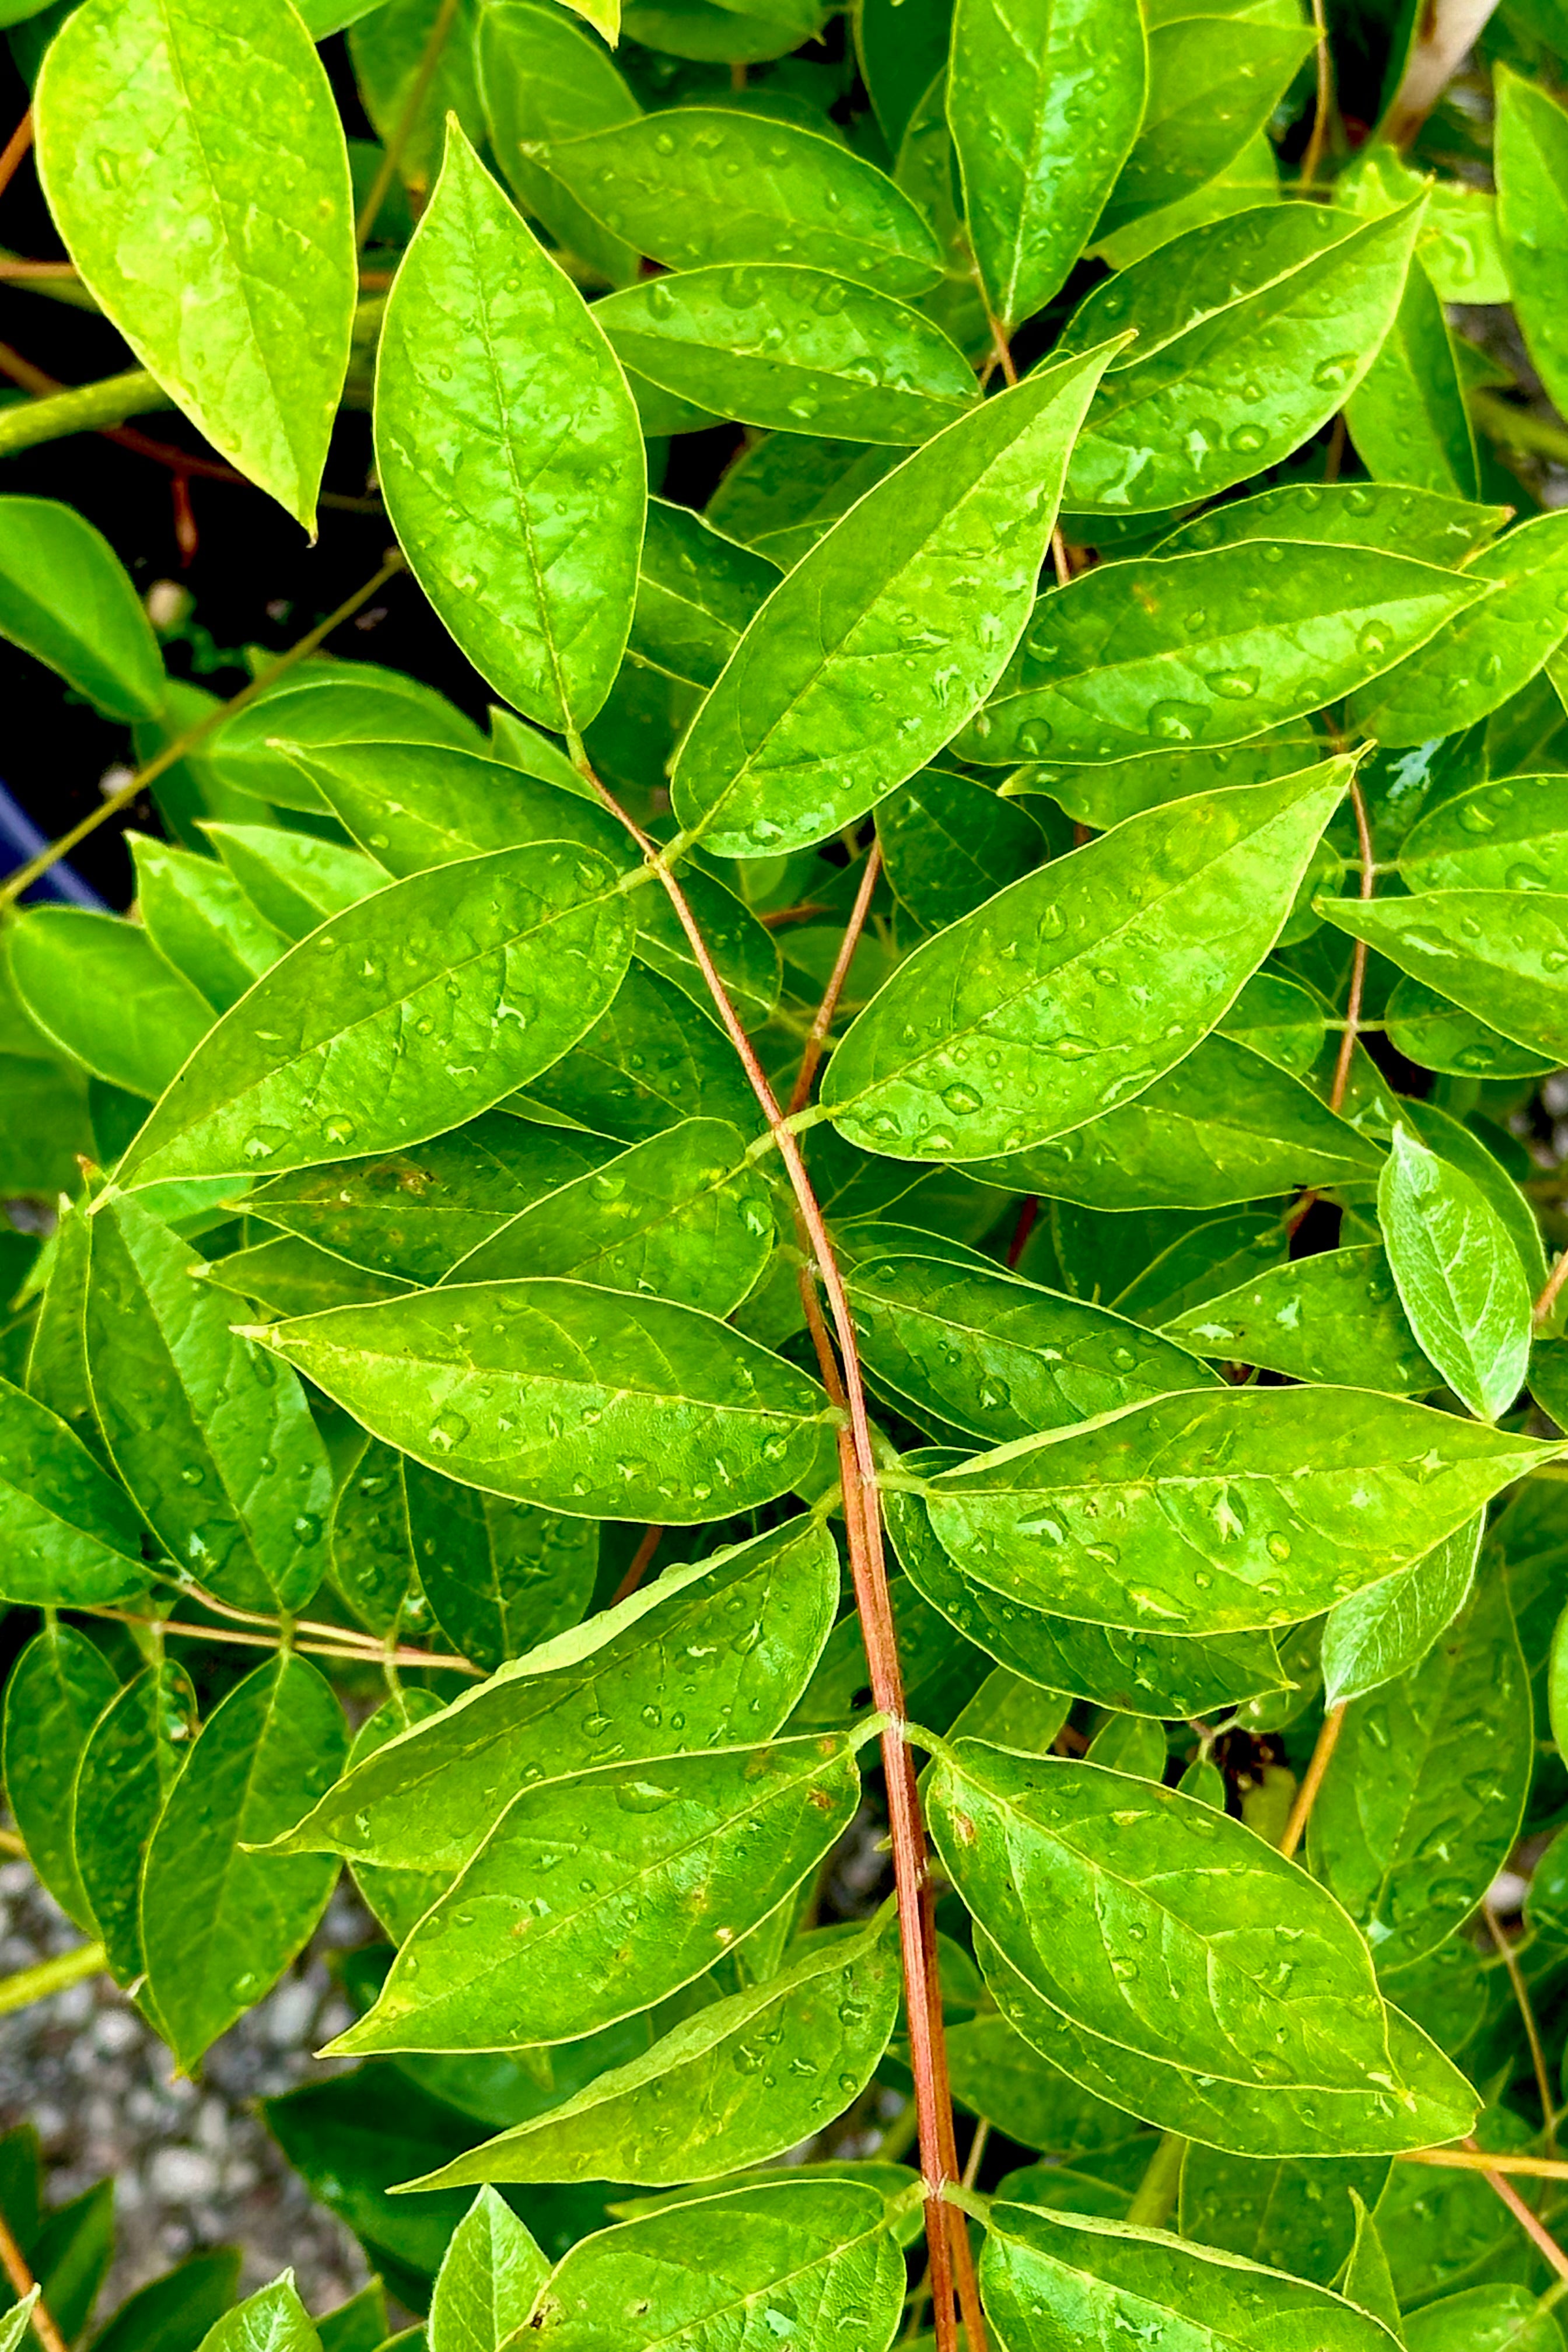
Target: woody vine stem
[{"x": 947, "y": 2237}]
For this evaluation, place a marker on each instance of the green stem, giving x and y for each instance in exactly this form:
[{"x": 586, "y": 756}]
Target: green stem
[
  {"x": 1155, "y": 2199},
  {"x": 29, "y": 1985},
  {"x": 1516, "y": 428},
  {"x": 85, "y": 408}
]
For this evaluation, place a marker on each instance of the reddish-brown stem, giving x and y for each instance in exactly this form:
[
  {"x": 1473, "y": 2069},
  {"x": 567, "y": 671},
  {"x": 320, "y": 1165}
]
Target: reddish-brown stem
[
  {"x": 1028, "y": 1217},
  {"x": 863, "y": 1523},
  {"x": 811, "y": 1059},
  {"x": 641, "y": 1561},
  {"x": 778, "y": 917},
  {"x": 1307, "y": 1794},
  {"x": 1358, "y": 961},
  {"x": 15, "y": 2264},
  {"x": 1060, "y": 562},
  {"x": 1536, "y": 2231},
  {"x": 1553, "y": 1290},
  {"x": 16, "y": 150}
]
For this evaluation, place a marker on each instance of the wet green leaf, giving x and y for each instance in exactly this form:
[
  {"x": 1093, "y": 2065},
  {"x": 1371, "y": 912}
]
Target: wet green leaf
[
  {"x": 423, "y": 1005},
  {"x": 1219, "y": 1129},
  {"x": 1295, "y": 2215},
  {"x": 219, "y": 1922},
  {"x": 1258, "y": 2027},
  {"x": 653, "y": 1060},
  {"x": 66, "y": 598},
  {"x": 98, "y": 988},
  {"x": 486, "y": 2287},
  {"x": 541, "y": 78},
  {"x": 427, "y": 1801},
  {"x": 290, "y": 1276},
  {"x": 1484, "y": 2319},
  {"x": 501, "y": 1577},
  {"x": 274, "y": 2320},
  {"x": 948, "y": 844},
  {"x": 1106, "y": 792},
  {"x": 350, "y": 703},
  {"x": 1052, "y": 2280},
  {"x": 1334, "y": 1317},
  {"x": 568, "y": 1396},
  {"x": 1220, "y": 1509},
  {"x": 704, "y": 184},
  {"x": 739, "y": 2082},
  {"x": 212, "y": 1438},
  {"x": 787, "y": 2258},
  {"x": 200, "y": 919},
  {"x": 697, "y": 594},
  {"x": 1507, "y": 834},
  {"x": 683, "y": 1215},
  {"x": 1532, "y": 218},
  {"x": 1213, "y": 81},
  {"x": 1045, "y": 102},
  {"x": 54, "y": 1694},
  {"x": 1457, "y": 1274},
  {"x": 555, "y": 472},
  {"x": 795, "y": 739},
  {"x": 1208, "y": 648},
  {"x": 1123, "y": 1668},
  {"x": 784, "y": 346},
  {"x": 1412, "y": 1829},
  {"x": 399, "y": 1898},
  {"x": 294, "y": 879},
  {"x": 1175, "y": 421},
  {"x": 1396, "y": 518},
  {"x": 669, "y": 1864},
  {"x": 1407, "y": 416},
  {"x": 1001, "y": 1358},
  {"x": 1017, "y": 1036},
  {"x": 69, "y": 1534},
  {"x": 418, "y": 1213},
  {"x": 132, "y": 1756},
  {"x": 371, "y": 1561},
  {"x": 214, "y": 221},
  {"x": 1486, "y": 652},
  {"x": 1501, "y": 954}
]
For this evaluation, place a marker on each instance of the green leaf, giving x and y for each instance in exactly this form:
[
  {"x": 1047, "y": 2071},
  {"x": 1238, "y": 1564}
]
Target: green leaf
[
  {"x": 68, "y": 1536},
  {"x": 197, "y": 169},
  {"x": 1421, "y": 1810},
  {"x": 949, "y": 844},
  {"x": 427, "y": 1801},
  {"x": 1207, "y": 648},
  {"x": 486, "y": 2287},
  {"x": 1109, "y": 791},
  {"x": 132, "y": 1756},
  {"x": 1122, "y": 1667},
  {"x": 220, "y": 1922},
  {"x": 1257, "y": 2028},
  {"x": 787, "y": 480},
  {"x": 1222, "y": 1509},
  {"x": 996, "y": 2073},
  {"x": 421, "y": 1005},
  {"x": 219, "y": 1453},
  {"x": 1213, "y": 81},
  {"x": 541, "y": 78},
  {"x": 684, "y": 1215},
  {"x": 704, "y": 184},
  {"x": 67, "y": 599},
  {"x": 199, "y": 918},
  {"x": 273, "y": 2320},
  {"x": 173, "y": 2314},
  {"x": 347, "y": 702},
  {"x": 399, "y": 1898},
  {"x": 785, "y": 346},
  {"x": 654, "y": 1059},
  {"x": 294, "y": 879},
  {"x": 739, "y": 2082},
  {"x": 530, "y": 559},
  {"x": 1016, "y": 1036},
  {"x": 1332, "y": 1317},
  {"x": 576, "y": 1399},
  {"x": 1533, "y": 219},
  {"x": 1499, "y": 954},
  {"x": 500, "y": 1578},
  {"x": 1395, "y": 518},
  {"x": 796, "y": 740},
  {"x": 1457, "y": 1274},
  {"x": 1052, "y": 2280},
  {"x": 54, "y": 1694},
  {"x": 1435, "y": 1036},
  {"x": 697, "y": 594},
  {"x": 1175, "y": 421},
  {"x": 290, "y": 1276},
  {"x": 1407, "y": 416},
  {"x": 1295, "y": 2215},
  {"x": 418, "y": 1214},
  {"x": 370, "y": 1553},
  {"x": 17, "y": 2324},
  {"x": 1484, "y": 2319},
  {"x": 1009, "y": 1712},
  {"x": 1486, "y": 654},
  {"x": 98, "y": 988},
  {"x": 360, "y": 2324},
  {"x": 899, "y": 52},
  {"x": 671, "y": 1863},
  {"x": 1501, "y": 835},
  {"x": 387, "y": 49},
  {"x": 814, "y": 2259},
  {"x": 1045, "y": 102},
  {"x": 1221, "y": 1128},
  {"x": 999, "y": 1357}
]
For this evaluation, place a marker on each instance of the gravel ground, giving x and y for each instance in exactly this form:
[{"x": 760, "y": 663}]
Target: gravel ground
[{"x": 192, "y": 2163}]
